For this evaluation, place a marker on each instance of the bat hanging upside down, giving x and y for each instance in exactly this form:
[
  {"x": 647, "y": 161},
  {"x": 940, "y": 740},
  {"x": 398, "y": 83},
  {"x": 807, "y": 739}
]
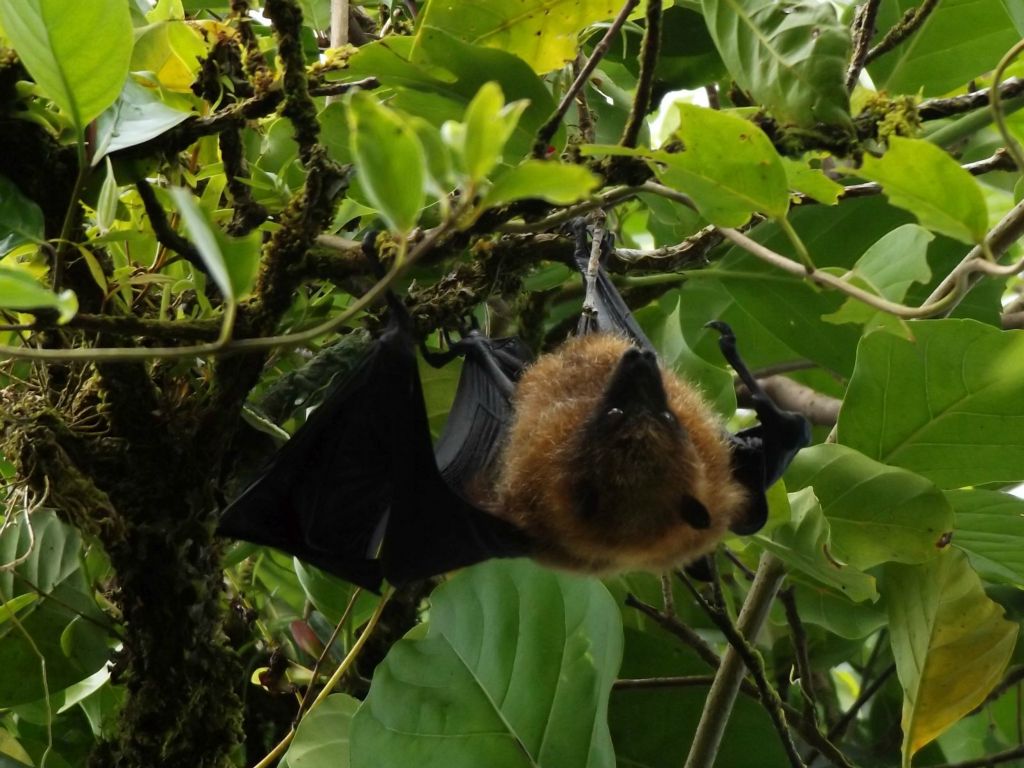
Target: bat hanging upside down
[{"x": 592, "y": 458}]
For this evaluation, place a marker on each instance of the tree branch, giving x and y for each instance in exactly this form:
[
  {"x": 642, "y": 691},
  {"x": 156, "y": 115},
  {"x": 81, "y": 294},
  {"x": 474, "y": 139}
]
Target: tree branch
[
  {"x": 550, "y": 126},
  {"x": 649, "y": 49},
  {"x": 901, "y": 30},
  {"x": 722, "y": 696},
  {"x": 863, "y": 31}
]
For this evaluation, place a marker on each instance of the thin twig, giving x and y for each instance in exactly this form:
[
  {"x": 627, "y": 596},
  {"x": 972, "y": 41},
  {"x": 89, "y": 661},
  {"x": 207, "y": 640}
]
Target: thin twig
[
  {"x": 840, "y": 726},
  {"x": 722, "y": 696},
  {"x": 547, "y": 131},
  {"x": 810, "y": 734},
  {"x": 1000, "y": 160},
  {"x": 688, "y": 681},
  {"x": 680, "y": 630},
  {"x": 323, "y": 656},
  {"x": 649, "y": 48},
  {"x": 224, "y": 345},
  {"x": 999, "y": 239},
  {"x": 863, "y": 31},
  {"x": 998, "y": 113},
  {"x": 935, "y": 109},
  {"x": 275, "y": 754},
  {"x": 990, "y": 760},
  {"x": 803, "y": 660},
  {"x": 901, "y": 30}
]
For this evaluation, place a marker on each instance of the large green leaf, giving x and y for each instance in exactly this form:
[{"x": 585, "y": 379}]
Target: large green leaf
[
  {"x": 950, "y": 641},
  {"x": 19, "y": 290},
  {"x": 231, "y": 261},
  {"x": 960, "y": 40},
  {"x": 727, "y": 165},
  {"x": 78, "y": 52},
  {"x": 922, "y": 178},
  {"x": 558, "y": 183},
  {"x": 946, "y": 405},
  {"x": 834, "y": 612},
  {"x": 542, "y": 33},
  {"x": 990, "y": 529},
  {"x": 68, "y": 630},
  {"x": 322, "y": 738},
  {"x": 791, "y": 56},
  {"x": 515, "y": 671},
  {"x": 877, "y": 513},
  {"x": 390, "y": 161},
  {"x": 21, "y": 220},
  {"x": 138, "y": 115},
  {"x": 887, "y": 269},
  {"x": 447, "y": 74},
  {"x": 804, "y": 543}
]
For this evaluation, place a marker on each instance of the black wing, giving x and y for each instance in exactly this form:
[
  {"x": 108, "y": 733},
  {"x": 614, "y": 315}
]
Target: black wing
[
  {"x": 760, "y": 454},
  {"x": 357, "y": 490}
]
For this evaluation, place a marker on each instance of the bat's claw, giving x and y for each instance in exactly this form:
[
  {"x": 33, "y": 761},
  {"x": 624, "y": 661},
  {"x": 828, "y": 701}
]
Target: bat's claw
[{"x": 723, "y": 328}]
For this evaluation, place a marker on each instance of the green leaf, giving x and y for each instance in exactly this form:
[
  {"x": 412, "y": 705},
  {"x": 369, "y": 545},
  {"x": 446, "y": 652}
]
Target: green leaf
[
  {"x": 21, "y": 220},
  {"x": 231, "y": 261},
  {"x": 543, "y": 33},
  {"x": 488, "y": 124},
  {"x": 811, "y": 181},
  {"x": 53, "y": 566},
  {"x": 138, "y": 115},
  {"x": 321, "y": 740},
  {"x": 11, "y": 607},
  {"x": 446, "y": 76},
  {"x": 728, "y": 166},
  {"x": 78, "y": 53},
  {"x": 922, "y": 178},
  {"x": 557, "y": 183},
  {"x": 1016, "y": 12},
  {"x": 330, "y": 595},
  {"x": 950, "y": 641},
  {"x": 390, "y": 161},
  {"x": 836, "y": 614},
  {"x": 990, "y": 529},
  {"x": 945, "y": 405},
  {"x": 877, "y": 513},
  {"x": 791, "y": 56},
  {"x": 637, "y": 717},
  {"x": 958, "y": 41},
  {"x": 515, "y": 671},
  {"x": 887, "y": 269},
  {"x": 19, "y": 290},
  {"x": 804, "y": 543}
]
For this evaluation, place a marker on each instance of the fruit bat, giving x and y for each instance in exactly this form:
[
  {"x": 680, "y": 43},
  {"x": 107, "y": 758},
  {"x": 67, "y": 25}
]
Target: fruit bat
[{"x": 593, "y": 458}]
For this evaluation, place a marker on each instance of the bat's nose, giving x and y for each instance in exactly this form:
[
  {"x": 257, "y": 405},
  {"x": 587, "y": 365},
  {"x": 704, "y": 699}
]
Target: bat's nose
[{"x": 636, "y": 384}]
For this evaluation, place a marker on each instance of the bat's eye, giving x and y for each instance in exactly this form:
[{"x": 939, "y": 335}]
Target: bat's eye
[
  {"x": 614, "y": 414},
  {"x": 668, "y": 417}
]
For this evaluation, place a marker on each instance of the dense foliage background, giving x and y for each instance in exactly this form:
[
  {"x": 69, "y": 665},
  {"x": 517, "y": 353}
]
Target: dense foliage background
[{"x": 183, "y": 188}]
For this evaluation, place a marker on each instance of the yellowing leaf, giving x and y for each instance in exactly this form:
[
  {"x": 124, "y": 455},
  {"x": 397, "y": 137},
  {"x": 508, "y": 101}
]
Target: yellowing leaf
[
  {"x": 543, "y": 33},
  {"x": 951, "y": 644}
]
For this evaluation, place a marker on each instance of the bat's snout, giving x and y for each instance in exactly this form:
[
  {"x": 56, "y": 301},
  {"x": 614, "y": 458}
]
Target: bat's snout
[{"x": 636, "y": 386}]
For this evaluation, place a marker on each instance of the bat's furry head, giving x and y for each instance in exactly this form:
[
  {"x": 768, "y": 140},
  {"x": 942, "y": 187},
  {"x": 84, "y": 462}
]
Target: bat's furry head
[{"x": 613, "y": 462}]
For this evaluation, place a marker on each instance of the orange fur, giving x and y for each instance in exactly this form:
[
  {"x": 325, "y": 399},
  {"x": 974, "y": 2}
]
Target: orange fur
[{"x": 545, "y": 452}]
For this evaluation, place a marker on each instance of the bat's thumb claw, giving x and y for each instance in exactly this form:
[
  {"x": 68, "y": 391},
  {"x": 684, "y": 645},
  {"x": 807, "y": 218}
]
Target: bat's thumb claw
[{"x": 723, "y": 328}]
